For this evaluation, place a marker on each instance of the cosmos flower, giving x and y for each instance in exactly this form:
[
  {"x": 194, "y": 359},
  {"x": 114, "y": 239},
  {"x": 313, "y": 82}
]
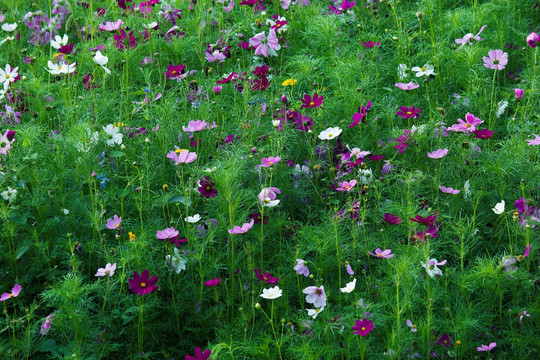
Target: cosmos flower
[
  {"x": 437, "y": 154},
  {"x": 489, "y": 347},
  {"x": 312, "y": 102},
  {"x": 467, "y": 39},
  {"x": 143, "y": 284},
  {"x": 181, "y": 156},
  {"x": 533, "y": 39},
  {"x": 266, "y": 277},
  {"x": 363, "y": 327},
  {"x": 499, "y": 208},
  {"x": 199, "y": 355},
  {"x": 411, "y": 325},
  {"x": 406, "y": 112},
  {"x": 301, "y": 268},
  {"x": 469, "y": 125},
  {"x": 496, "y": 60},
  {"x": 268, "y": 162},
  {"x": 206, "y": 188},
  {"x": 314, "y": 312},
  {"x": 107, "y": 270},
  {"x": 535, "y": 141},
  {"x": 8, "y": 76},
  {"x": 241, "y": 230},
  {"x": 445, "y": 340},
  {"x": 432, "y": 268},
  {"x": 426, "y": 70},
  {"x": 448, "y": 190},
  {"x": 113, "y": 223},
  {"x": 386, "y": 254},
  {"x": 212, "y": 282},
  {"x": 407, "y": 87},
  {"x": 392, "y": 219},
  {"x": 111, "y": 26},
  {"x": 346, "y": 185},
  {"x": 265, "y": 45},
  {"x": 349, "y": 287},
  {"x": 330, "y": 133},
  {"x": 59, "y": 41},
  {"x": 14, "y": 293},
  {"x": 315, "y": 296},
  {"x": 272, "y": 293}
]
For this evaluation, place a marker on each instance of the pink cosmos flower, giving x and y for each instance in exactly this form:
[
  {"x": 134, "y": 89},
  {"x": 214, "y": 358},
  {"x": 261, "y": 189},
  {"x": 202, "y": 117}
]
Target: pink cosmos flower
[
  {"x": 170, "y": 234},
  {"x": 113, "y": 223},
  {"x": 535, "y": 141},
  {"x": 301, "y": 268},
  {"x": 143, "y": 284},
  {"x": 437, "y": 154},
  {"x": 346, "y": 185},
  {"x": 217, "y": 89},
  {"x": 406, "y": 112},
  {"x": 181, "y": 156},
  {"x": 533, "y": 39},
  {"x": 350, "y": 271},
  {"x": 212, "y": 282},
  {"x": 519, "y": 93},
  {"x": 411, "y": 325},
  {"x": 265, "y": 45},
  {"x": 309, "y": 102},
  {"x": 386, "y": 254},
  {"x": 107, "y": 270},
  {"x": 215, "y": 56},
  {"x": 363, "y": 327},
  {"x": 407, "y": 87},
  {"x": 448, "y": 190},
  {"x": 467, "y": 39},
  {"x": 14, "y": 293},
  {"x": 315, "y": 296},
  {"x": 111, "y": 26},
  {"x": 527, "y": 251},
  {"x": 46, "y": 326},
  {"x": 241, "y": 230},
  {"x": 270, "y": 161},
  {"x": 199, "y": 355},
  {"x": 496, "y": 60},
  {"x": 198, "y": 125},
  {"x": 370, "y": 44},
  {"x": 487, "y": 347},
  {"x": 469, "y": 125},
  {"x": 5, "y": 143}
]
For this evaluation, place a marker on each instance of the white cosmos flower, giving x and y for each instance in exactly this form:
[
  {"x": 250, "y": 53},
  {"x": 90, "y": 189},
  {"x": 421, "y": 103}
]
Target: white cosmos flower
[
  {"x": 9, "y": 194},
  {"x": 272, "y": 293},
  {"x": 61, "y": 68},
  {"x": 176, "y": 262},
  {"x": 314, "y": 312},
  {"x": 432, "y": 268},
  {"x": 101, "y": 60},
  {"x": 349, "y": 288},
  {"x": 9, "y": 38},
  {"x": 193, "y": 219},
  {"x": 8, "y": 76},
  {"x": 88, "y": 142},
  {"x": 114, "y": 133},
  {"x": 9, "y": 27},
  {"x": 499, "y": 208},
  {"x": 151, "y": 25},
  {"x": 330, "y": 133},
  {"x": 58, "y": 41},
  {"x": 426, "y": 70}
]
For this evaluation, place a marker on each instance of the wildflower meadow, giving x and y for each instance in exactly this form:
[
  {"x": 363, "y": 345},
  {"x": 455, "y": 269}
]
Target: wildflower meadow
[{"x": 270, "y": 179}]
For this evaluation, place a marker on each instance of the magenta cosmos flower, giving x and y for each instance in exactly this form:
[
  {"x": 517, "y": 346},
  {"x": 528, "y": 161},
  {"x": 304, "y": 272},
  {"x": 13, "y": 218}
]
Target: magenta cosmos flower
[
  {"x": 143, "y": 284},
  {"x": 199, "y": 355},
  {"x": 363, "y": 327},
  {"x": 266, "y": 277},
  {"x": 370, "y": 44},
  {"x": 267, "y": 162},
  {"x": 392, "y": 219},
  {"x": 407, "y": 87},
  {"x": 519, "y": 93},
  {"x": 437, "y": 154},
  {"x": 346, "y": 185},
  {"x": 212, "y": 282},
  {"x": 309, "y": 102},
  {"x": 487, "y": 347},
  {"x": 533, "y": 39},
  {"x": 445, "y": 340},
  {"x": 113, "y": 223},
  {"x": 14, "y": 293},
  {"x": 315, "y": 296},
  {"x": 301, "y": 268},
  {"x": 469, "y": 125},
  {"x": 265, "y": 45},
  {"x": 496, "y": 60},
  {"x": 5, "y": 143},
  {"x": 241, "y": 230},
  {"x": 181, "y": 156},
  {"x": 448, "y": 190},
  {"x": 46, "y": 326},
  {"x": 482, "y": 134},
  {"x": 406, "y": 112},
  {"x": 386, "y": 254},
  {"x": 535, "y": 141}
]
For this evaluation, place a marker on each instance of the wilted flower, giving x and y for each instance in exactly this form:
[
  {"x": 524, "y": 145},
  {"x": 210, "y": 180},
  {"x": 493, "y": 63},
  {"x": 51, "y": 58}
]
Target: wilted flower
[{"x": 411, "y": 325}]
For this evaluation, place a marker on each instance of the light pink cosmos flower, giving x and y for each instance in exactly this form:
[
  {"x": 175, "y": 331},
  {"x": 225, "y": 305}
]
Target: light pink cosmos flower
[
  {"x": 386, "y": 254},
  {"x": 113, "y": 223},
  {"x": 407, "y": 87},
  {"x": 268, "y": 196},
  {"x": 181, "y": 156},
  {"x": 346, "y": 185},
  {"x": 265, "y": 45},
  {"x": 467, "y": 39},
  {"x": 14, "y": 293},
  {"x": 535, "y": 141},
  {"x": 111, "y": 26},
  {"x": 411, "y": 325},
  {"x": 449, "y": 190},
  {"x": 487, "y": 347},
  {"x": 437, "y": 154},
  {"x": 108, "y": 270},
  {"x": 285, "y": 4},
  {"x": 301, "y": 268},
  {"x": 469, "y": 125},
  {"x": 215, "y": 56},
  {"x": 46, "y": 326},
  {"x": 496, "y": 60},
  {"x": 268, "y": 162},
  {"x": 241, "y": 230},
  {"x": 5, "y": 144},
  {"x": 350, "y": 271},
  {"x": 198, "y": 125},
  {"x": 168, "y": 233},
  {"x": 315, "y": 296}
]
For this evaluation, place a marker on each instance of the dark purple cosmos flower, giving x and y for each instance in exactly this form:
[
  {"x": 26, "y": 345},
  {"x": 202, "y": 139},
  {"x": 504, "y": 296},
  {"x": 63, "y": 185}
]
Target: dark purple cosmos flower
[
  {"x": 392, "y": 219},
  {"x": 143, "y": 284},
  {"x": 304, "y": 122},
  {"x": 207, "y": 188},
  {"x": 363, "y": 327},
  {"x": 199, "y": 355},
  {"x": 309, "y": 102},
  {"x": 266, "y": 277},
  {"x": 483, "y": 134},
  {"x": 406, "y": 112},
  {"x": 445, "y": 340},
  {"x": 212, "y": 282},
  {"x": 66, "y": 49},
  {"x": 258, "y": 219},
  {"x": 119, "y": 40}
]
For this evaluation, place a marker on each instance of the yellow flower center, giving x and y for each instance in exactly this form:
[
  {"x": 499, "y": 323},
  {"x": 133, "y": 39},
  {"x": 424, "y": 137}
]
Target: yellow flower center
[
  {"x": 431, "y": 267},
  {"x": 7, "y": 76},
  {"x": 11, "y": 295},
  {"x": 269, "y": 163},
  {"x": 311, "y": 103},
  {"x": 379, "y": 255},
  {"x": 445, "y": 341},
  {"x": 173, "y": 72},
  {"x": 347, "y": 187},
  {"x": 363, "y": 328},
  {"x": 59, "y": 68},
  {"x": 423, "y": 69},
  {"x": 116, "y": 225},
  {"x": 143, "y": 284},
  {"x": 178, "y": 151},
  {"x": 409, "y": 112},
  {"x": 267, "y": 200},
  {"x": 208, "y": 188},
  {"x": 414, "y": 326},
  {"x": 330, "y": 135},
  {"x": 278, "y": 25},
  {"x": 468, "y": 125}
]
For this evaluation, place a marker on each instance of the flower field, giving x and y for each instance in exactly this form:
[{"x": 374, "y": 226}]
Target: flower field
[{"x": 257, "y": 179}]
